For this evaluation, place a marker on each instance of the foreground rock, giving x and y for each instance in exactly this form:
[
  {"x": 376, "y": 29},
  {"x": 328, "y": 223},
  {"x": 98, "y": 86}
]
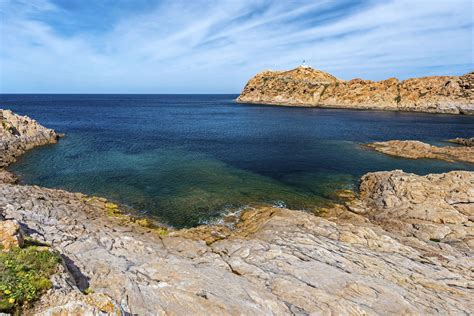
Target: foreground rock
[
  {"x": 20, "y": 133},
  {"x": 11, "y": 235},
  {"x": 417, "y": 150},
  {"x": 276, "y": 261},
  {"x": 305, "y": 86},
  {"x": 437, "y": 207}
]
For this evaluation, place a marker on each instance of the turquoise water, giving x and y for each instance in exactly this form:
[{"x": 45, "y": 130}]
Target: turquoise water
[{"x": 188, "y": 159}]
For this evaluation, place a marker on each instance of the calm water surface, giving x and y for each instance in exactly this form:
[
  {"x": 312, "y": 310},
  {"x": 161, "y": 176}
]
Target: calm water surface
[{"x": 188, "y": 159}]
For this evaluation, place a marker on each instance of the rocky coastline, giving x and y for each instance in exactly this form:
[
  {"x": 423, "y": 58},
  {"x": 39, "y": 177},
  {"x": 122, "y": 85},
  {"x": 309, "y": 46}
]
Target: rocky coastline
[
  {"x": 414, "y": 149},
  {"x": 402, "y": 246},
  {"x": 305, "y": 86}
]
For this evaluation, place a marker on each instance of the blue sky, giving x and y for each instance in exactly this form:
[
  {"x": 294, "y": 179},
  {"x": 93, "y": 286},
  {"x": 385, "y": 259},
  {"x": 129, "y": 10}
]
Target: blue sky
[{"x": 182, "y": 46}]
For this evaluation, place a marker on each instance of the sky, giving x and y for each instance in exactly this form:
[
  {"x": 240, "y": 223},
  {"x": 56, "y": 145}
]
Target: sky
[{"x": 184, "y": 46}]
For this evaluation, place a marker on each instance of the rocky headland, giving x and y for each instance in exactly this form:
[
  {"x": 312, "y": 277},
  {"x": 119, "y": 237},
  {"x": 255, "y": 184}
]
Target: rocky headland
[
  {"x": 414, "y": 149},
  {"x": 463, "y": 141},
  {"x": 19, "y": 134},
  {"x": 403, "y": 246},
  {"x": 305, "y": 86}
]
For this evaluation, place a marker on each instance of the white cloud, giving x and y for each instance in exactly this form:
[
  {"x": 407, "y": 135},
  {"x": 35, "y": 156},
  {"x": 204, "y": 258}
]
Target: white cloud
[{"x": 215, "y": 46}]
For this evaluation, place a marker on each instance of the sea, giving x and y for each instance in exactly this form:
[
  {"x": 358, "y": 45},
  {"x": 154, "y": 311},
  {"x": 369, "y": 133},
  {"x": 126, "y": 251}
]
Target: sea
[{"x": 186, "y": 160}]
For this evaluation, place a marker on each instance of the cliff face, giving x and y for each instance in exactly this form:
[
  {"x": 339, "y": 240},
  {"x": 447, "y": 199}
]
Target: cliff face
[{"x": 305, "y": 86}]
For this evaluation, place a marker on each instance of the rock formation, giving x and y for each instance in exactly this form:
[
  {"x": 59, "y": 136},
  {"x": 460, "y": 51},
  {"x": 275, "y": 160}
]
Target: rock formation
[
  {"x": 275, "y": 260},
  {"x": 463, "y": 141},
  {"x": 437, "y": 207},
  {"x": 20, "y": 133},
  {"x": 417, "y": 150},
  {"x": 403, "y": 247},
  {"x": 11, "y": 235},
  {"x": 305, "y": 86}
]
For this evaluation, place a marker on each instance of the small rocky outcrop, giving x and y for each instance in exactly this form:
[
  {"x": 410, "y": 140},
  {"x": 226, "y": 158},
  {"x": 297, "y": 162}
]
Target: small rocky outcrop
[
  {"x": 19, "y": 134},
  {"x": 414, "y": 149},
  {"x": 463, "y": 141},
  {"x": 305, "y": 86},
  {"x": 437, "y": 207}
]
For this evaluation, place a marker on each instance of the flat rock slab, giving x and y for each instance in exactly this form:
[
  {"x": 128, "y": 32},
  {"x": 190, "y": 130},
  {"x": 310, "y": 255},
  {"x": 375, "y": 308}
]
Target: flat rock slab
[{"x": 413, "y": 149}]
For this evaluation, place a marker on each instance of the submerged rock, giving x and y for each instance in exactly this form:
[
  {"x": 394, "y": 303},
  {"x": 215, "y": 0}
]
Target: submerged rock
[
  {"x": 305, "y": 86},
  {"x": 414, "y": 149}
]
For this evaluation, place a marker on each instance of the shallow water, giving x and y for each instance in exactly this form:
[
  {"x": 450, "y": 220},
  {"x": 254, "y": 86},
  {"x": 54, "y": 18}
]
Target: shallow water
[{"x": 187, "y": 159}]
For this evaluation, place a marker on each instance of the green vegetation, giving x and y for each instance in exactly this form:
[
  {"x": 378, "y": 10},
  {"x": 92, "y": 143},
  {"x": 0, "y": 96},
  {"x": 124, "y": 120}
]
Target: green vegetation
[
  {"x": 25, "y": 275},
  {"x": 398, "y": 98},
  {"x": 5, "y": 126},
  {"x": 88, "y": 291}
]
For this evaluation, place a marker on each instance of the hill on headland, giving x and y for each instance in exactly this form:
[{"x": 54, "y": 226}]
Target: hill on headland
[{"x": 305, "y": 86}]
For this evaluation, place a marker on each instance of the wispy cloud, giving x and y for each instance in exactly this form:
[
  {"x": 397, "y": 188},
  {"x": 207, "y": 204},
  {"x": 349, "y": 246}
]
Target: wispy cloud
[{"x": 215, "y": 46}]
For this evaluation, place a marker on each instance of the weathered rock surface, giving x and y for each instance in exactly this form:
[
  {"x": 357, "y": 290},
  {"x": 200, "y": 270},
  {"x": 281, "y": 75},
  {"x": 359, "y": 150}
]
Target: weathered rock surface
[
  {"x": 414, "y": 149},
  {"x": 20, "y": 133},
  {"x": 11, "y": 235},
  {"x": 7, "y": 177},
  {"x": 276, "y": 261},
  {"x": 305, "y": 86},
  {"x": 463, "y": 141},
  {"x": 437, "y": 207}
]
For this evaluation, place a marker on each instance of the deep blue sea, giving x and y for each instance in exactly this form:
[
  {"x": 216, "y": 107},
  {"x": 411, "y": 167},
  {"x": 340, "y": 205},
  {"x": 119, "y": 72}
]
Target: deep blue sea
[{"x": 188, "y": 159}]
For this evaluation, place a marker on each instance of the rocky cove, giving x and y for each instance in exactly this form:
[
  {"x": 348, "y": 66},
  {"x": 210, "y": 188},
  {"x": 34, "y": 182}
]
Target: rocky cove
[
  {"x": 403, "y": 244},
  {"x": 305, "y": 86}
]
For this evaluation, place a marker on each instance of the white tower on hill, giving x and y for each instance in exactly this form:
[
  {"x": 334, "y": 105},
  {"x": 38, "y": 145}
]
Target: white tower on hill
[{"x": 303, "y": 65}]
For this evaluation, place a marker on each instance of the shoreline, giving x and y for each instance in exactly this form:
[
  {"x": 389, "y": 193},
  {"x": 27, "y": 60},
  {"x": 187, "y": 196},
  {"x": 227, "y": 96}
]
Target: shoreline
[
  {"x": 275, "y": 260},
  {"x": 348, "y": 107}
]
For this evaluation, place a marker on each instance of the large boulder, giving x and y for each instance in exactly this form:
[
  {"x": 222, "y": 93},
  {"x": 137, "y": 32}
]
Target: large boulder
[
  {"x": 436, "y": 207},
  {"x": 11, "y": 234}
]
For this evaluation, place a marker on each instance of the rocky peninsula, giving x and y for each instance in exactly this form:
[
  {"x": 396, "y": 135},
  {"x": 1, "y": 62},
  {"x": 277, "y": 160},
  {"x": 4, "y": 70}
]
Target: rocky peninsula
[
  {"x": 305, "y": 86},
  {"x": 463, "y": 141},
  {"x": 403, "y": 246},
  {"x": 414, "y": 149}
]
